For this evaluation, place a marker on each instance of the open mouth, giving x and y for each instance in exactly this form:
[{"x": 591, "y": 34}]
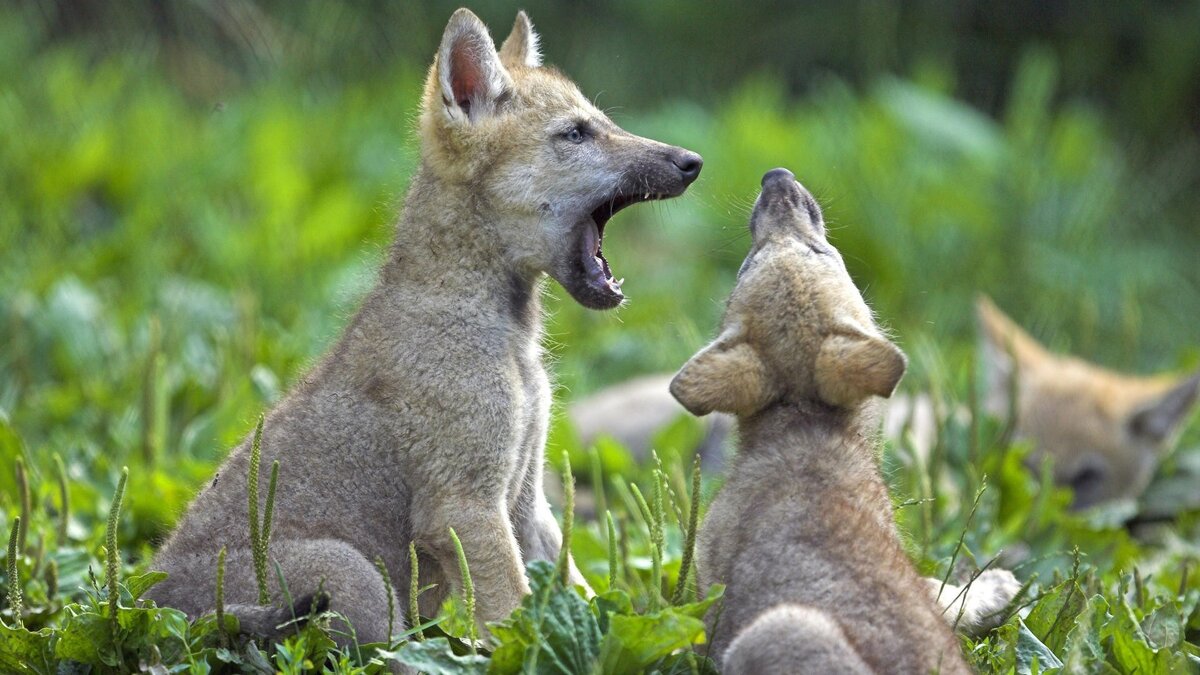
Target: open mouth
[{"x": 605, "y": 288}]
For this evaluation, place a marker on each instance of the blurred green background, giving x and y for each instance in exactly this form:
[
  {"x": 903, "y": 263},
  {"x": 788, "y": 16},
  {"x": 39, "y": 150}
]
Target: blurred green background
[{"x": 194, "y": 195}]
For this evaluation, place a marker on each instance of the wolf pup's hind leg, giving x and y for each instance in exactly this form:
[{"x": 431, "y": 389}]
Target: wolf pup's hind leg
[{"x": 321, "y": 574}]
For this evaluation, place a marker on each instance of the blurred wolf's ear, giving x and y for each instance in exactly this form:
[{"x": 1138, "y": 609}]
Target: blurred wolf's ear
[
  {"x": 520, "y": 48},
  {"x": 853, "y": 365},
  {"x": 1005, "y": 350},
  {"x": 726, "y": 376},
  {"x": 470, "y": 76},
  {"x": 1162, "y": 417}
]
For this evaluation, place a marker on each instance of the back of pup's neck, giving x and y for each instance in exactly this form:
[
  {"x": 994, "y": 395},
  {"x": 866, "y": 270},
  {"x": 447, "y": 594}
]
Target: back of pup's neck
[
  {"x": 813, "y": 431},
  {"x": 812, "y": 415}
]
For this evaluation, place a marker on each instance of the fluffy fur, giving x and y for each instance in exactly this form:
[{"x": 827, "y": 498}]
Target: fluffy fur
[
  {"x": 802, "y": 533},
  {"x": 431, "y": 410}
]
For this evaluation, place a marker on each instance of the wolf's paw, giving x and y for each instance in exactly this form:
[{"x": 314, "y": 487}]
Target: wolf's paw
[{"x": 987, "y": 597}]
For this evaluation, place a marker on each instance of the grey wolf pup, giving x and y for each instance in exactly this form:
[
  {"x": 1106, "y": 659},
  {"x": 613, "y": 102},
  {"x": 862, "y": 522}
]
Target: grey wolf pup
[
  {"x": 802, "y": 533},
  {"x": 431, "y": 410}
]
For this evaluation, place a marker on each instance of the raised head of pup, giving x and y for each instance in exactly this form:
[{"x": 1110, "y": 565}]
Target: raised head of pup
[{"x": 802, "y": 533}]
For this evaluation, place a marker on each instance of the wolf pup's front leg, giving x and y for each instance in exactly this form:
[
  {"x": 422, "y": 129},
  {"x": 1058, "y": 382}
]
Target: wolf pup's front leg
[
  {"x": 492, "y": 554},
  {"x": 541, "y": 539}
]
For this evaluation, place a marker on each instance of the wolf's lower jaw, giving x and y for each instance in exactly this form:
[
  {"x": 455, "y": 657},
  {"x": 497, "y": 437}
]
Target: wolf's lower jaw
[
  {"x": 604, "y": 291},
  {"x": 595, "y": 266}
]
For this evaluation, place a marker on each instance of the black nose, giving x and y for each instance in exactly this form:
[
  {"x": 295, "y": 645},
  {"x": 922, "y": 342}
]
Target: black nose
[
  {"x": 689, "y": 164},
  {"x": 777, "y": 174}
]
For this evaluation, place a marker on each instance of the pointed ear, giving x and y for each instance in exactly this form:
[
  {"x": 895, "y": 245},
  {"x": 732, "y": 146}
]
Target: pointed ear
[
  {"x": 726, "y": 376},
  {"x": 1162, "y": 417},
  {"x": 469, "y": 71},
  {"x": 520, "y": 48},
  {"x": 1004, "y": 350},
  {"x": 853, "y": 365}
]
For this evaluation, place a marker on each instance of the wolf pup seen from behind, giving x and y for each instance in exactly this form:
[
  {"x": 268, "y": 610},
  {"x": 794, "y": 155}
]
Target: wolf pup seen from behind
[
  {"x": 430, "y": 412},
  {"x": 802, "y": 533}
]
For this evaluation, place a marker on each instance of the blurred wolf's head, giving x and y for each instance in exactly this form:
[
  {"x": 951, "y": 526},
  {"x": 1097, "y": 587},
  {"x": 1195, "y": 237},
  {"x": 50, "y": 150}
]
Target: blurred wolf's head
[
  {"x": 536, "y": 157},
  {"x": 1104, "y": 431},
  {"x": 796, "y": 329}
]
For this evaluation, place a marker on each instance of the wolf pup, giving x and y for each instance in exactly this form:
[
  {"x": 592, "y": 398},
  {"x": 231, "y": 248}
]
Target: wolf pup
[
  {"x": 430, "y": 412},
  {"x": 1104, "y": 431},
  {"x": 802, "y": 534}
]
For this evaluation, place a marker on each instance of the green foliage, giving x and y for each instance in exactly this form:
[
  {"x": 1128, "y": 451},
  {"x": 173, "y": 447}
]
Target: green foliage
[
  {"x": 468, "y": 588},
  {"x": 568, "y": 525},
  {"x": 689, "y": 545},
  {"x": 391, "y": 595},
  {"x": 112, "y": 553},
  {"x": 64, "y": 498},
  {"x": 258, "y": 548},
  {"x": 613, "y": 570},
  {"x": 168, "y": 269},
  {"x": 557, "y": 631},
  {"x": 15, "y": 601},
  {"x": 414, "y": 590},
  {"x": 23, "y": 497}
]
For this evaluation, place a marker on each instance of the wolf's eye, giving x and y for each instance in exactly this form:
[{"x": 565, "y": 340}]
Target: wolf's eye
[{"x": 575, "y": 135}]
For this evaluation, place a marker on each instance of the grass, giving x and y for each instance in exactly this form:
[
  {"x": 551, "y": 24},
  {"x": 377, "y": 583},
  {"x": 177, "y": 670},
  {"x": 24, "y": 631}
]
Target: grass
[{"x": 167, "y": 271}]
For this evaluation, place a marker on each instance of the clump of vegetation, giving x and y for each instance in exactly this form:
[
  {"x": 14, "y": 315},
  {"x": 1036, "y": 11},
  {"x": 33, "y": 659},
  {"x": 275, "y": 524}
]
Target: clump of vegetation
[{"x": 154, "y": 302}]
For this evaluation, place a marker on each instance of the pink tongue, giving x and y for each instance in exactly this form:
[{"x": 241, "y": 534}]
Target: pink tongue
[
  {"x": 591, "y": 240},
  {"x": 596, "y": 267}
]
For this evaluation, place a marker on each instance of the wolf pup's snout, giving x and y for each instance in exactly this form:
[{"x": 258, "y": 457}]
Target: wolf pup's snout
[
  {"x": 776, "y": 175},
  {"x": 688, "y": 163},
  {"x": 784, "y": 204}
]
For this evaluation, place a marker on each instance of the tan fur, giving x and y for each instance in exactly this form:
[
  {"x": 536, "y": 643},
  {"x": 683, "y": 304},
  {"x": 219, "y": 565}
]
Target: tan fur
[
  {"x": 430, "y": 412},
  {"x": 1104, "y": 432},
  {"x": 802, "y": 533}
]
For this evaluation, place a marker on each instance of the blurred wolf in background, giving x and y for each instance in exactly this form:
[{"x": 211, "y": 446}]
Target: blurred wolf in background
[
  {"x": 1105, "y": 432},
  {"x": 430, "y": 412}
]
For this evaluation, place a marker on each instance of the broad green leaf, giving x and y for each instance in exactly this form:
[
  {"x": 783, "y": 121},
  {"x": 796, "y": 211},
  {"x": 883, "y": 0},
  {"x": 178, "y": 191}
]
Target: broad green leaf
[
  {"x": 612, "y": 601},
  {"x": 24, "y": 651},
  {"x": 137, "y": 585},
  {"x": 634, "y": 643},
  {"x": 1130, "y": 650},
  {"x": 435, "y": 657},
  {"x": 686, "y": 662},
  {"x": 553, "y": 631},
  {"x": 1053, "y": 617},
  {"x": 1083, "y": 652},
  {"x": 1164, "y": 627},
  {"x": 697, "y": 610},
  {"x": 1032, "y": 653}
]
